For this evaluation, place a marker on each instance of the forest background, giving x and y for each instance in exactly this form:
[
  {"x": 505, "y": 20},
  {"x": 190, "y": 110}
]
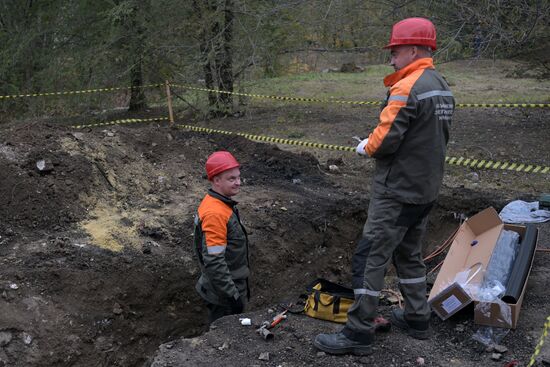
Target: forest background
[{"x": 61, "y": 45}]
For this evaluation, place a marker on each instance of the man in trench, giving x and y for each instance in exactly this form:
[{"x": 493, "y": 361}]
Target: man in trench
[
  {"x": 409, "y": 146},
  {"x": 221, "y": 242}
]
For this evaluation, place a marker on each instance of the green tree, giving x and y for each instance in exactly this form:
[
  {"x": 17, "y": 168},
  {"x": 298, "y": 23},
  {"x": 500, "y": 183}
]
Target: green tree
[{"x": 129, "y": 19}]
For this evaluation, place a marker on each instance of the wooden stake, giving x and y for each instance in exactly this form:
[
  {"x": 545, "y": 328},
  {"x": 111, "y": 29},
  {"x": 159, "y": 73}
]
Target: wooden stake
[{"x": 169, "y": 97}]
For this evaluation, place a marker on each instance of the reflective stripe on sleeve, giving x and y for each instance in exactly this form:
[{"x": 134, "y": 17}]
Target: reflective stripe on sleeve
[
  {"x": 433, "y": 93},
  {"x": 398, "y": 98},
  {"x": 214, "y": 250},
  {"x": 412, "y": 280}
]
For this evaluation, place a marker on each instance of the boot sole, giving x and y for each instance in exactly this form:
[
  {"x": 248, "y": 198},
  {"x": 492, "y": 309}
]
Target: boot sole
[
  {"x": 356, "y": 350},
  {"x": 417, "y": 334}
]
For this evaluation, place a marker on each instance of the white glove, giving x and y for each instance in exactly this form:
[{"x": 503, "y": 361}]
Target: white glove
[{"x": 361, "y": 147}]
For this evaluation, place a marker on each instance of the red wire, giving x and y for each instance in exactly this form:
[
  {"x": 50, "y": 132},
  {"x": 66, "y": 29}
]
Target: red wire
[{"x": 436, "y": 267}]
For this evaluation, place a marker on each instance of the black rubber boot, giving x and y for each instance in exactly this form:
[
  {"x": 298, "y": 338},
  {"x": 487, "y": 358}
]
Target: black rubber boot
[
  {"x": 339, "y": 344},
  {"x": 416, "y": 329}
]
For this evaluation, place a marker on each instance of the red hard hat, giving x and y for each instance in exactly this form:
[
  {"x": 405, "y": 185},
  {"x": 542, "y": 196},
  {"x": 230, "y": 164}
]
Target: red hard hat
[
  {"x": 413, "y": 31},
  {"x": 219, "y": 162}
]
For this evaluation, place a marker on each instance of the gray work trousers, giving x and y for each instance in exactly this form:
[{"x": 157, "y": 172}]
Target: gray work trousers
[{"x": 393, "y": 231}]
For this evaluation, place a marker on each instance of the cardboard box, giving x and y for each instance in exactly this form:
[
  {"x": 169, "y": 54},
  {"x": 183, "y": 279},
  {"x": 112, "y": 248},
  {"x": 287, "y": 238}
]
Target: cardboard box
[
  {"x": 463, "y": 269},
  {"x": 492, "y": 315},
  {"x": 448, "y": 296}
]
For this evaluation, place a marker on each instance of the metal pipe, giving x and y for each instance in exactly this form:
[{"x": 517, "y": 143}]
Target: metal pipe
[
  {"x": 521, "y": 266},
  {"x": 265, "y": 333}
]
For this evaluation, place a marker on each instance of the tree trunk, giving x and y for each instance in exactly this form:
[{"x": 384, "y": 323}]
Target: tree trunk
[
  {"x": 225, "y": 82},
  {"x": 208, "y": 76},
  {"x": 206, "y": 35},
  {"x": 137, "y": 94},
  {"x": 216, "y": 52},
  {"x": 212, "y": 74}
]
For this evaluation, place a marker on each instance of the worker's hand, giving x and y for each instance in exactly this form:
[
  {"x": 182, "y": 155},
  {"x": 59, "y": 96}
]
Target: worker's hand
[
  {"x": 237, "y": 305},
  {"x": 361, "y": 147}
]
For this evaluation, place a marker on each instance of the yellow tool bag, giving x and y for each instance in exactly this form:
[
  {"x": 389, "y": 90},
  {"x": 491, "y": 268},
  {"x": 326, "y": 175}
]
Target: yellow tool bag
[{"x": 328, "y": 301}]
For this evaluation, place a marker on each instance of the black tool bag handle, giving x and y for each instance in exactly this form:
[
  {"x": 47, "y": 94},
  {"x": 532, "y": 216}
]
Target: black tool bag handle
[{"x": 332, "y": 288}]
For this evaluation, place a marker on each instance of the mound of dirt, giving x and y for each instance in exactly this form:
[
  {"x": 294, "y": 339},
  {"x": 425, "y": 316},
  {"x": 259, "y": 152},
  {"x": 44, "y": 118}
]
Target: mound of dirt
[
  {"x": 41, "y": 183},
  {"x": 98, "y": 240}
]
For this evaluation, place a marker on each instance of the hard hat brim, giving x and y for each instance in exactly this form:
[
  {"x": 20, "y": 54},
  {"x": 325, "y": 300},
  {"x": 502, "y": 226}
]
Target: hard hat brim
[{"x": 405, "y": 43}]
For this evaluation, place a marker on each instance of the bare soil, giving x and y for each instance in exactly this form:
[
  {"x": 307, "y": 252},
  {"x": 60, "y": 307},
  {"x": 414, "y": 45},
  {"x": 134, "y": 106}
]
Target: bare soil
[{"x": 96, "y": 261}]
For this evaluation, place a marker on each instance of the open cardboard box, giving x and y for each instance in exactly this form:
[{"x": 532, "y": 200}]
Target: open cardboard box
[{"x": 464, "y": 267}]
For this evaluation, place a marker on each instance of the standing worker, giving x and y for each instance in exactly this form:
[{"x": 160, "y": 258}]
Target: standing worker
[
  {"x": 221, "y": 243},
  {"x": 409, "y": 145}
]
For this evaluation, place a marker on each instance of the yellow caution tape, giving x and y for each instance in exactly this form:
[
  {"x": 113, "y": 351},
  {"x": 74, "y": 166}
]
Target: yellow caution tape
[
  {"x": 541, "y": 342},
  {"x": 118, "y": 122},
  {"x": 98, "y": 90},
  {"x": 372, "y": 103},
  {"x": 460, "y": 161},
  {"x": 506, "y": 166},
  {"x": 270, "y": 139},
  {"x": 497, "y": 105},
  {"x": 284, "y": 98}
]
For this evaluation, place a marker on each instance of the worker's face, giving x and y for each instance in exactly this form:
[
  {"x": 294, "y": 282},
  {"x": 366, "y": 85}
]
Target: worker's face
[
  {"x": 402, "y": 56},
  {"x": 228, "y": 183}
]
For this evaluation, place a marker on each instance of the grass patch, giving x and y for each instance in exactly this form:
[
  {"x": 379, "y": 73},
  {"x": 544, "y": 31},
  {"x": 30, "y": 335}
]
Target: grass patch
[
  {"x": 472, "y": 81},
  {"x": 296, "y": 135},
  {"x": 342, "y": 86},
  {"x": 478, "y": 81},
  {"x": 488, "y": 81}
]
